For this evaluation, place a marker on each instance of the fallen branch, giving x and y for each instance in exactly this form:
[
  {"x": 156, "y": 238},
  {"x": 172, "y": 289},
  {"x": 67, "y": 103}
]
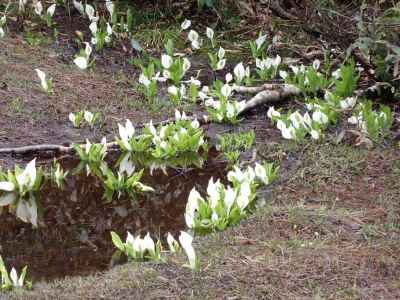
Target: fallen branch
[
  {"x": 60, "y": 149},
  {"x": 277, "y": 8},
  {"x": 37, "y": 148},
  {"x": 265, "y": 93},
  {"x": 269, "y": 94},
  {"x": 257, "y": 89}
]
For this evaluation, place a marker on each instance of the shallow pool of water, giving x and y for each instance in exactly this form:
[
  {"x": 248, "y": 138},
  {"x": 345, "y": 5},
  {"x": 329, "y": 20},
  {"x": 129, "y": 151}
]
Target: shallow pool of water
[{"x": 73, "y": 237}]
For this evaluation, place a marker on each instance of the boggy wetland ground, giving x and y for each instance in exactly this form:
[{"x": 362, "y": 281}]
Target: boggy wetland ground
[{"x": 327, "y": 228}]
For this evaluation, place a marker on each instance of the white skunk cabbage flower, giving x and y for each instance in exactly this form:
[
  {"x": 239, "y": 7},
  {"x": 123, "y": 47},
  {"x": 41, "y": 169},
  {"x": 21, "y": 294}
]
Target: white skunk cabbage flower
[
  {"x": 221, "y": 64},
  {"x": 7, "y": 186},
  {"x": 149, "y": 244},
  {"x": 110, "y": 7},
  {"x": 307, "y": 119},
  {"x": 126, "y": 165},
  {"x": 93, "y": 28},
  {"x": 144, "y": 80},
  {"x": 336, "y": 74},
  {"x": 195, "y": 124},
  {"x": 186, "y": 64},
  {"x": 353, "y": 120},
  {"x": 243, "y": 198},
  {"x": 210, "y": 33},
  {"x": 283, "y": 74},
  {"x": 228, "y": 77},
  {"x": 81, "y": 62},
  {"x": 27, "y": 211},
  {"x": 43, "y": 81},
  {"x": 88, "y": 49},
  {"x": 319, "y": 117},
  {"x": 314, "y": 134},
  {"x": 288, "y": 133},
  {"x": 316, "y": 64},
  {"x": 226, "y": 90},
  {"x": 21, "y": 5},
  {"x": 229, "y": 199},
  {"x": 191, "y": 207},
  {"x": 297, "y": 120},
  {"x": 166, "y": 61},
  {"x": 172, "y": 243},
  {"x": 38, "y": 8},
  {"x": 260, "y": 41},
  {"x": 17, "y": 282},
  {"x": 186, "y": 24},
  {"x": 214, "y": 192},
  {"x": 79, "y": 6},
  {"x": 88, "y": 116},
  {"x": 28, "y": 176},
  {"x": 272, "y": 112},
  {"x": 74, "y": 119},
  {"x": 173, "y": 90},
  {"x": 240, "y": 72},
  {"x": 261, "y": 173},
  {"x": 180, "y": 116},
  {"x": 221, "y": 53},
  {"x": 193, "y": 36},
  {"x": 91, "y": 13},
  {"x": 348, "y": 103},
  {"x": 51, "y": 9},
  {"x": 126, "y": 133},
  {"x": 186, "y": 242},
  {"x": 130, "y": 239}
]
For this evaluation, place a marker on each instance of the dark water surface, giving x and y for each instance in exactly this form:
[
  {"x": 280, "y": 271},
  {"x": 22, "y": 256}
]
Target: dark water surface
[{"x": 74, "y": 233}]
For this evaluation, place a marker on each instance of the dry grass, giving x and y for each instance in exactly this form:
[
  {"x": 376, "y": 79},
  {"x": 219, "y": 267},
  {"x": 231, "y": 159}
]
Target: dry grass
[{"x": 336, "y": 243}]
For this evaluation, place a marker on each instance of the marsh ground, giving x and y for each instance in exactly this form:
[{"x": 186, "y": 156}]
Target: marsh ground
[{"x": 329, "y": 227}]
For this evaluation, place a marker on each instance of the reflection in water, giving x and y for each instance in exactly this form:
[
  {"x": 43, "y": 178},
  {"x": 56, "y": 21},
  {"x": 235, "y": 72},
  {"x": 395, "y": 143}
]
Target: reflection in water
[{"x": 73, "y": 237}]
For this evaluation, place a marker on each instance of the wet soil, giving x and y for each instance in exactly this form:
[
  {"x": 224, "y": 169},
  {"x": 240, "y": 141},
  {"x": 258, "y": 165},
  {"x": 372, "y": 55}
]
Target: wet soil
[{"x": 73, "y": 237}]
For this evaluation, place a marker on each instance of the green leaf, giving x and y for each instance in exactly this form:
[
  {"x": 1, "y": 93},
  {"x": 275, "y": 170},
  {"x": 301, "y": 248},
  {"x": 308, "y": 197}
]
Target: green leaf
[
  {"x": 23, "y": 274},
  {"x": 117, "y": 241},
  {"x": 4, "y": 274}
]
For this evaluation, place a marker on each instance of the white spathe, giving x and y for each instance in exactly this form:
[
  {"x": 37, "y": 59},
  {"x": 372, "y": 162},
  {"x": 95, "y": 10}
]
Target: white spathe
[
  {"x": 226, "y": 90},
  {"x": 239, "y": 72},
  {"x": 166, "y": 61},
  {"x": 186, "y": 242},
  {"x": 260, "y": 41},
  {"x": 7, "y": 186},
  {"x": 126, "y": 133},
  {"x": 28, "y": 177},
  {"x": 43, "y": 81},
  {"x": 210, "y": 33},
  {"x": 81, "y": 62},
  {"x": 186, "y": 24},
  {"x": 172, "y": 243},
  {"x": 17, "y": 282},
  {"x": 38, "y": 8},
  {"x": 88, "y": 116},
  {"x": 51, "y": 9}
]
